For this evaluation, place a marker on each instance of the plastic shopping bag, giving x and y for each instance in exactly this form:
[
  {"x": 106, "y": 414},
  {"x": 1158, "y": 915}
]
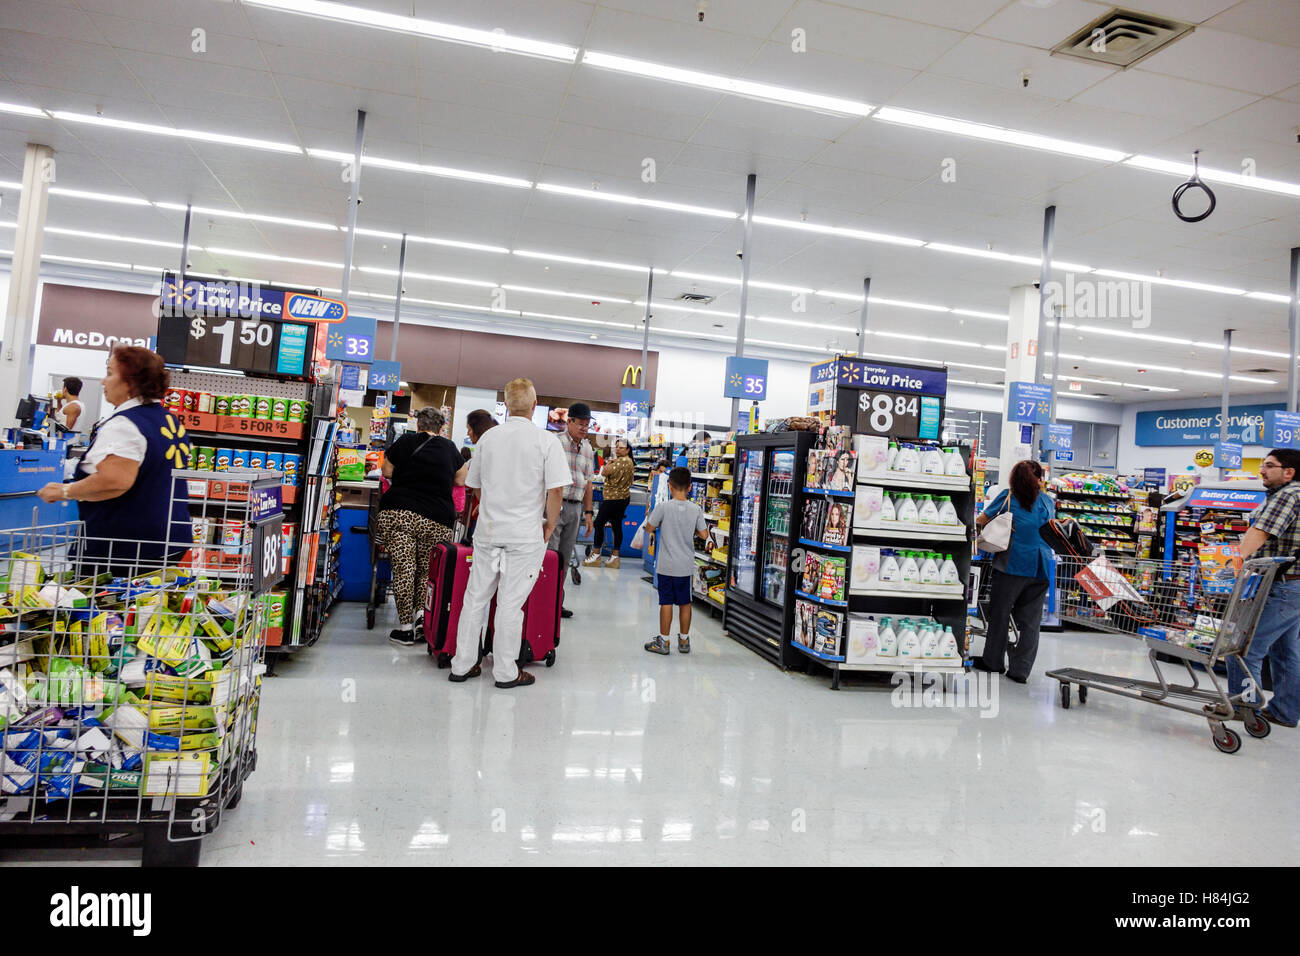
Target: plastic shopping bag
[
  {"x": 1105, "y": 585},
  {"x": 638, "y": 539}
]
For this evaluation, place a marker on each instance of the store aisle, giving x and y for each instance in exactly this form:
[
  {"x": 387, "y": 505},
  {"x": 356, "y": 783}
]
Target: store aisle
[{"x": 369, "y": 756}]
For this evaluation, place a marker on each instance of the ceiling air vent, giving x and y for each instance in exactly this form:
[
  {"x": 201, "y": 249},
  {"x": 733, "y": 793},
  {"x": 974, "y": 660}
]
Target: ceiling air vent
[
  {"x": 1122, "y": 37},
  {"x": 698, "y": 298}
]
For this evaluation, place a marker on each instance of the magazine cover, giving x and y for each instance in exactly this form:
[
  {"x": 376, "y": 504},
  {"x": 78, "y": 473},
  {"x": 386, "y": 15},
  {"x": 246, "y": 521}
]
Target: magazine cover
[
  {"x": 805, "y": 627},
  {"x": 839, "y": 519},
  {"x": 812, "y": 573},
  {"x": 813, "y": 477},
  {"x": 840, "y": 471},
  {"x": 829, "y": 624},
  {"x": 831, "y": 581},
  {"x": 837, "y": 438},
  {"x": 814, "y": 517}
]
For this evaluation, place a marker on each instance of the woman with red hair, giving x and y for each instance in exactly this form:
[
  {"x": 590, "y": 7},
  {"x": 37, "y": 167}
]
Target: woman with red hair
[
  {"x": 1021, "y": 573},
  {"x": 124, "y": 484}
]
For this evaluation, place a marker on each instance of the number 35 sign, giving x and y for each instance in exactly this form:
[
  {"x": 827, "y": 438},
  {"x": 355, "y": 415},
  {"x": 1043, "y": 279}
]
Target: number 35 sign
[{"x": 746, "y": 378}]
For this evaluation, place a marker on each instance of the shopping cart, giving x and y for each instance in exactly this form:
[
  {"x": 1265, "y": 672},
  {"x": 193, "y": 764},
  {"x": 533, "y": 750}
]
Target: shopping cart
[
  {"x": 129, "y": 691},
  {"x": 979, "y": 592},
  {"x": 381, "y": 570},
  {"x": 1179, "y": 611}
]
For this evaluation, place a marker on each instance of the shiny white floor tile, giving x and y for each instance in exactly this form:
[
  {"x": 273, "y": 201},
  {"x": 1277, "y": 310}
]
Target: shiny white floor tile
[{"x": 369, "y": 756}]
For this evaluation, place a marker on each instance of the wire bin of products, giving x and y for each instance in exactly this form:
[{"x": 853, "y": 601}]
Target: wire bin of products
[
  {"x": 129, "y": 685},
  {"x": 710, "y": 464},
  {"x": 1138, "y": 599}
]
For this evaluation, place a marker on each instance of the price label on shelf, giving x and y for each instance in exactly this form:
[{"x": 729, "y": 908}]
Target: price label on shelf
[
  {"x": 268, "y": 553},
  {"x": 888, "y": 413}
]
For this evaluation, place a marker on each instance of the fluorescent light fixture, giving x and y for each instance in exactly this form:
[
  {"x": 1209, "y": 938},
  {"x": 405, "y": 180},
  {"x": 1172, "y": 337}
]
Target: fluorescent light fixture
[
  {"x": 846, "y": 296},
  {"x": 249, "y": 216},
  {"x": 1107, "y": 381},
  {"x": 996, "y": 348},
  {"x": 785, "y": 345},
  {"x": 637, "y": 201},
  {"x": 1166, "y": 368},
  {"x": 579, "y": 261},
  {"x": 966, "y": 343},
  {"x": 270, "y": 257},
  {"x": 568, "y": 295},
  {"x": 753, "y": 283},
  {"x": 431, "y": 277},
  {"x": 726, "y": 84},
  {"x": 1214, "y": 175},
  {"x": 458, "y": 244},
  {"x": 1269, "y": 297},
  {"x": 801, "y": 323},
  {"x": 98, "y": 197},
  {"x": 996, "y": 134},
  {"x": 21, "y": 110},
  {"x": 446, "y": 172},
  {"x": 669, "y": 307},
  {"x": 415, "y": 26},
  {"x": 983, "y": 253},
  {"x": 843, "y": 231},
  {"x": 904, "y": 304},
  {"x": 8, "y": 225},
  {"x": 966, "y": 381},
  {"x": 204, "y": 136},
  {"x": 87, "y": 262},
  {"x": 976, "y": 314},
  {"x": 85, "y": 234},
  {"x": 1176, "y": 283}
]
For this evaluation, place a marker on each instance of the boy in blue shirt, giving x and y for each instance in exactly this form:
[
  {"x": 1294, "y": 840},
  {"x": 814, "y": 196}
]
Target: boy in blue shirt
[{"x": 675, "y": 523}]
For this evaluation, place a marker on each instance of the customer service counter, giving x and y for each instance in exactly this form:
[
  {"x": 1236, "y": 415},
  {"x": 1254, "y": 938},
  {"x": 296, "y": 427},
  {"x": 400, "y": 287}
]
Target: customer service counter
[{"x": 22, "y": 474}]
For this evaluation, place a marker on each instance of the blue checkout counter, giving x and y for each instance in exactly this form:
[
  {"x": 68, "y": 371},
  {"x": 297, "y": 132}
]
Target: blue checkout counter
[
  {"x": 22, "y": 474},
  {"x": 632, "y": 518}
]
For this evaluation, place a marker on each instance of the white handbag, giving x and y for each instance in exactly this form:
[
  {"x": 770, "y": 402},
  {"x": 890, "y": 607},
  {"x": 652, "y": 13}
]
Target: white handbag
[{"x": 996, "y": 535}]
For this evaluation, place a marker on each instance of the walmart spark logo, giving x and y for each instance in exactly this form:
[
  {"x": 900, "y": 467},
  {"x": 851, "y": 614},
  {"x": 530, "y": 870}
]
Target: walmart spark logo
[
  {"x": 737, "y": 380},
  {"x": 334, "y": 339},
  {"x": 1044, "y": 408},
  {"x": 851, "y": 373},
  {"x": 178, "y": 452}
]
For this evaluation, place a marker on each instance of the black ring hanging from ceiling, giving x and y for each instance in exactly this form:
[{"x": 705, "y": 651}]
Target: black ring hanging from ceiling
[{"x": 1193, "y": 183}]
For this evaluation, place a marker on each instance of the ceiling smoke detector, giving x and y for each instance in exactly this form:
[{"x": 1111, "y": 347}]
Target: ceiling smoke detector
[
  {"x": 699, "y": 298},
  {"x": 1121, "y": 38}
]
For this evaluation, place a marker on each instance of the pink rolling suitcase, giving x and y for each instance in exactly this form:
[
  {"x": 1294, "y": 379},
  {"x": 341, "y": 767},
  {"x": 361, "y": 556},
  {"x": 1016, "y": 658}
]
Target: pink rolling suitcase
[
  {"x": 444, "y": 593},
  {"x": 449, "y": 567}
]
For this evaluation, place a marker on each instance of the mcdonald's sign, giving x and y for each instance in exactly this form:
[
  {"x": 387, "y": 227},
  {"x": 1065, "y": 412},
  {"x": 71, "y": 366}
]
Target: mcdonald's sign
[{"x": 634, "y": 373}]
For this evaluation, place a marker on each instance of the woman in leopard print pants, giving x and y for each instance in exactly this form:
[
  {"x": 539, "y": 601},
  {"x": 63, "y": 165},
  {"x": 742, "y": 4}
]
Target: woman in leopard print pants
[{"x": 416, "y": 512}]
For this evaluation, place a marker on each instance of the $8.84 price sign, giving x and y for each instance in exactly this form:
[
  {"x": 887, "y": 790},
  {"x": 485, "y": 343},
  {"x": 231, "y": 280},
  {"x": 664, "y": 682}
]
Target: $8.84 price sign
[{"x": 888, "y": 413}]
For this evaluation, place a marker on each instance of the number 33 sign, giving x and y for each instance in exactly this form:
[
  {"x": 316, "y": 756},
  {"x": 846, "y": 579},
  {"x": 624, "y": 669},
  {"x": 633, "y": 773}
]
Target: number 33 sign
[{"x": 352, "y": 340}]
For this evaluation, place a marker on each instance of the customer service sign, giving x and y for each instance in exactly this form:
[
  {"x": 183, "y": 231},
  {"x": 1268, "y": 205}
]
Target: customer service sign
[{"x": 1200, "y": 426}]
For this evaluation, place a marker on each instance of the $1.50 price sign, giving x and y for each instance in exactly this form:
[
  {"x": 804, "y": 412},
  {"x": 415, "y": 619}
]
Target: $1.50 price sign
[{"x": 250, "y": 345}]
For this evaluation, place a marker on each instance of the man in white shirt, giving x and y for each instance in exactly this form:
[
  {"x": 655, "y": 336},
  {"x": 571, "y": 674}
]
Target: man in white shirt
[{"x": 520, "y": 472}]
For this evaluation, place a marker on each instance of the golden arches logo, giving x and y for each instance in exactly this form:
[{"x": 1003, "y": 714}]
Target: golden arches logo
[{"x": 634, "y": 371}]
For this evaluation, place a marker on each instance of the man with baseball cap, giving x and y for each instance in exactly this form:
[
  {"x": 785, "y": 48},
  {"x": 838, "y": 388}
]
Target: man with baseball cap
[{"x": 576, "y": 509}]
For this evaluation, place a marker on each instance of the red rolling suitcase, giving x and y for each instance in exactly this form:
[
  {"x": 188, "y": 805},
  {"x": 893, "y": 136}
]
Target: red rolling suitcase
[{"x": 449, "y": 567}]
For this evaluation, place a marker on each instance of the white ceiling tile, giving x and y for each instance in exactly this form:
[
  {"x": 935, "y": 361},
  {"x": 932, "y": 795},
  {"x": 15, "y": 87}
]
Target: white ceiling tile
[
  {"x": 1151, "y": 94},
  {"x": 901, "y": 43},
  {"x": 1110, "y": 128},
  {"x": 947, "y": 96},
  {"x": 365, "y": 74},
  {"x": 1193, "y": 11},
  {"x": 1226, "y": 59},
  {"x": 1042, "y": 24},
  {"x": 751, "y": 18},
  {"x": 660, "y": 123},
  {"x": 1277, "y": 21},
  {"x": 830, "y": 74},
  {"x": 964, "y": 16},
  {"x": 680, "y": 42},
  {"x": 996, "y": 63},
  {"x": 1267, "y": 121},
  {"x": 178, "y": 39}
]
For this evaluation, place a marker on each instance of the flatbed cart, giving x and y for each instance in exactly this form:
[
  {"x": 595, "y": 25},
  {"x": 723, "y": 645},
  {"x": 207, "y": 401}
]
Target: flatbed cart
[
  {"x": 130, "y": 685},
  {"x": 381, "y": 570},
  {"x": 1134, "y": 599}
]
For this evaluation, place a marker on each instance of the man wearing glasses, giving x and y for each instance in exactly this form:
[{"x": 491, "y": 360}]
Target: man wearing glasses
[
  {"x": 577, "y": 508},
  {"x": 1275, "y": 533}
]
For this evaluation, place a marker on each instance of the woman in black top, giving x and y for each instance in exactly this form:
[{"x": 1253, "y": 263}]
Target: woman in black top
[{"x": 417, "y": 511}]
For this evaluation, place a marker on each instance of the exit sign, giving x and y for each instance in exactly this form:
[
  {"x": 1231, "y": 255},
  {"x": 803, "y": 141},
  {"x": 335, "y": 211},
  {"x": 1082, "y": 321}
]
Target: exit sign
[{"x": 1076, "y": 386}]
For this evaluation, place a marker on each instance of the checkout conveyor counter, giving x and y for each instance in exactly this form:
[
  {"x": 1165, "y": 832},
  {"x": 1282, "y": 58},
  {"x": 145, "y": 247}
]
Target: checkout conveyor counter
[{"x": 23, "y": 472}]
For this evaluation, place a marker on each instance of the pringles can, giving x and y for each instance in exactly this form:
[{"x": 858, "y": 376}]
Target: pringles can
[
  {"x": 256, "y": 459},
  {"x": 221, "y": 404},
  {"x": 279, "y": 409},
  {"x": 273, "y": 461},
  {"x": 224, "y": 457},
  {"x": 291, "y": 463},
  {"x": 299, "y": 410},
  {"x": 262, "y": 407},
  {"x": 239, "y": 459},
  {"x": 204, "y": 458}
]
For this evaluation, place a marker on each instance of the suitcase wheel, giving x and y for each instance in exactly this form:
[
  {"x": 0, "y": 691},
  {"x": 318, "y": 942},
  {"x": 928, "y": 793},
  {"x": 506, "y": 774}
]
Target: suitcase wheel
[
  {"x": 444, "y": 660},
  {"x": 550, "y": 658},
  {"x": 526, "y": 653},
  {"x": 370, "y": 618}
]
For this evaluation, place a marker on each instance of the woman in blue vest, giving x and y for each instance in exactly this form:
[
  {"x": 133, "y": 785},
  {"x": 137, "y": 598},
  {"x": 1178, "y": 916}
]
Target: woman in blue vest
[{"x": 124, "y": 485}]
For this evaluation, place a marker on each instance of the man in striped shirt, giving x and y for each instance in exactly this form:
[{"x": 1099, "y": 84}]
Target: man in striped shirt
[{"x": 577, "y": 510}]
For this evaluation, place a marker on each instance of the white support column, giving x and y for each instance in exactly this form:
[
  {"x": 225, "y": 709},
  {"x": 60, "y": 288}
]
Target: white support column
[
  {"x": 1021, "y": 366},
  {"x": 20, "y": 310}
]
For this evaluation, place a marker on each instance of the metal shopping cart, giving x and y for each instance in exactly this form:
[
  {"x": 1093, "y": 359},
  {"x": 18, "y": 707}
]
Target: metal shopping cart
[
  {"x": 129, "y": 686},
  {"x": 1165, "y": 606},
  {"x": 979, "y": 592}
]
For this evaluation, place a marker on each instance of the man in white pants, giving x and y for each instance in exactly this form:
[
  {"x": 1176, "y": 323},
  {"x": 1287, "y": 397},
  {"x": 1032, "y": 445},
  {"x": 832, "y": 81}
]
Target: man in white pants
[{"x": 520, "y": 472}]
